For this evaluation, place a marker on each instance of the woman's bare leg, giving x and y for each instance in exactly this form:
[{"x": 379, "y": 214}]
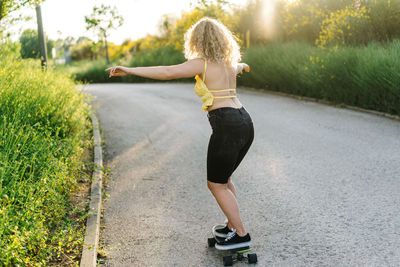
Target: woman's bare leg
[
  {"x": 228, "y": 204},
  {"x": 231, "y": 187}
]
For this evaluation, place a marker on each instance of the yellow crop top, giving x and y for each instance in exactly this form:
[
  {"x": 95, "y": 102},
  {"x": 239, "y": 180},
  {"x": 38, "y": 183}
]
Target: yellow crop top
[{"x": 206, "y": 96}]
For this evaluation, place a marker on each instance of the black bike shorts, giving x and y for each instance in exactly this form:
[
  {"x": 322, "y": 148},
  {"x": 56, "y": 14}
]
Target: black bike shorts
[{"x": 231, "y": 138}]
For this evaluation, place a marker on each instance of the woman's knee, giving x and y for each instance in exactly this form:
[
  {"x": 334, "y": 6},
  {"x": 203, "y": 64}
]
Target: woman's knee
[{"x": 216, "y": 186}]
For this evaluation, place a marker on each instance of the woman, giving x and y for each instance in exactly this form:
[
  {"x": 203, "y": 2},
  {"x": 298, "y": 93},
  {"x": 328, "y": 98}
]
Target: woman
[{"x": 213, "y": 53}]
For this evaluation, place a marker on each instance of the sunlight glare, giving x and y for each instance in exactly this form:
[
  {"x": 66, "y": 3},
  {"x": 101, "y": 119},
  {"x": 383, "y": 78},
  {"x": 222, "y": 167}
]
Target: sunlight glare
[{"x": 267, "y": 18}]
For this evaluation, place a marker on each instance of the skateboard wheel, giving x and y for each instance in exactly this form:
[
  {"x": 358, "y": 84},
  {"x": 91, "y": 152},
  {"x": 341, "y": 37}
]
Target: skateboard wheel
[
  {"x": 211, "y": 242},
  {"x": 252, "y": 258},
  {"x": 228, "y": 261}
]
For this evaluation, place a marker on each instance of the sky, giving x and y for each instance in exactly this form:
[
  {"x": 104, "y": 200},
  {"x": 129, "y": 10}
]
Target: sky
[{"x": 62, "y": 18}]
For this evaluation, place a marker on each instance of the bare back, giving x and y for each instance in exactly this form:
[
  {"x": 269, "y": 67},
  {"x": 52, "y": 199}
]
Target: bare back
[{"x": 219, "y": 76}]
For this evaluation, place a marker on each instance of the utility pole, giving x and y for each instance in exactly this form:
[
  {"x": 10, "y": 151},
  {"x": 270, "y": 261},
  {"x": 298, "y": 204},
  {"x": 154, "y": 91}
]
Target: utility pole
[
  {"x": 107, "y": 56},
  {"x": 42, "y": 41}
]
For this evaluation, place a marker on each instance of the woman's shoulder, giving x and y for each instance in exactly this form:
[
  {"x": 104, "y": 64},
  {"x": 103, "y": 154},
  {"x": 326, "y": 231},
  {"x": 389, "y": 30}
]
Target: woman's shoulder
[
  {"x": 198, "y": 59},
  {"x": 197, "y": 62}
]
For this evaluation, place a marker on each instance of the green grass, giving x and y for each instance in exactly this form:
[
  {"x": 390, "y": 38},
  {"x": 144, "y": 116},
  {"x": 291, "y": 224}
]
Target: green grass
[
  {"x": 367, "y": 77},
  {"x": 93, "y": 71},
  {"x": 364, "y": 76},
  {"x": 44, "y": 130}
]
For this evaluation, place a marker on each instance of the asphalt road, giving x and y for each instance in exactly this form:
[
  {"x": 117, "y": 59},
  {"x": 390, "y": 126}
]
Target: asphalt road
[{"x": 320, "y": 185}]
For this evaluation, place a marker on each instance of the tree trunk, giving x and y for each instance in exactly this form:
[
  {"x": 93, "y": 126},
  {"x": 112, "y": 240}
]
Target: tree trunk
[{"x": 107, "y": 57}]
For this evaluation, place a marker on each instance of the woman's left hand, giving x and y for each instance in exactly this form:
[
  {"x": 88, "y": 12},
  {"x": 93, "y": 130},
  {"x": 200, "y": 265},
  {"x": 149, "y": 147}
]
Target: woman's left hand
[
  {"x": 246, "y": 67},
  {"x": 117, "y": 71}
]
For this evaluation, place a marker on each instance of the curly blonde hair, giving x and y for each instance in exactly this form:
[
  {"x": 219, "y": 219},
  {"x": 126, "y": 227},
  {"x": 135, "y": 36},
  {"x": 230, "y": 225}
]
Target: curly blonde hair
[{"x": 213, "y": 41}]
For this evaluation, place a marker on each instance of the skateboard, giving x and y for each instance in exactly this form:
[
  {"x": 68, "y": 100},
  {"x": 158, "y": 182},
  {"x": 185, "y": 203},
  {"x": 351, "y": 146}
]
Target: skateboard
[{"x": 238, "y": 253}]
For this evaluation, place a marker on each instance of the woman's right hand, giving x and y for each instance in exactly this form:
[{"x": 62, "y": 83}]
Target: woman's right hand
[{"x": 118, "y": 71}]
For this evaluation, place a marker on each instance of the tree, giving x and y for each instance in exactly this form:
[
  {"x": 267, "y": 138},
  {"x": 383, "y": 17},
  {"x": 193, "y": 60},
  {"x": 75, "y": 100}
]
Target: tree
[
  {"x": 102, "y": 20},
  {"x": 66, "y": 44},
  {"x": 83, "y": 39},
  {"x": 165, "y": 24},
  {"x": 7, "y": 6},
  {"x": 30, "y": 45}
]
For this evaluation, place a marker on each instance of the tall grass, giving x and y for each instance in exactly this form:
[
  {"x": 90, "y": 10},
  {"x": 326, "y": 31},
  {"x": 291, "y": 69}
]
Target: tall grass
[
  {"x": 43, "y": 131},
  {"x": 93, "y": 71},
  {"x": 367, "y": 77},
  {"x": 363, "y": 76}
]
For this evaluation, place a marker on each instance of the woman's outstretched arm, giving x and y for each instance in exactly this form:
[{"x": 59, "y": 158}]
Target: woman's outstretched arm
[{"x": 187, "y": 69}]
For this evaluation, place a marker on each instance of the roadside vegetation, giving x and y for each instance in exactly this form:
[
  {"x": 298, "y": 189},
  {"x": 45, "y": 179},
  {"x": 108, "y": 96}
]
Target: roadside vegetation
[
  {"x": 44, "y": 141},
  {"x": 366, "y": 77},
  {"x": 343, "y": 51},
  {"x": 340, "y": 51},
  {"x": 93, "y": 71}
]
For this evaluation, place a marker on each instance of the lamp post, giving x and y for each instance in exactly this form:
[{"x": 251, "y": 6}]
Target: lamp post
[{"x": 42, "y": 41}]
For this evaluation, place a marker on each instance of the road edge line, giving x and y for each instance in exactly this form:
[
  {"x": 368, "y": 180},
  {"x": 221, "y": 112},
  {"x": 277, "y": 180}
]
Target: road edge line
[
  {"x": 92, "y": 232},
  {"x": 317, "y": 100}
]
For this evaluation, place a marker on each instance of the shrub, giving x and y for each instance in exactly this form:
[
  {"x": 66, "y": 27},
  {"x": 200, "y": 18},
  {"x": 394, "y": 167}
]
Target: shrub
[
  {"x": 43, "y": 132},
  {"x": 363, "y": 76},
  {"x": 367, "y": 77},
  {"x": 93, "y": 71}
]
